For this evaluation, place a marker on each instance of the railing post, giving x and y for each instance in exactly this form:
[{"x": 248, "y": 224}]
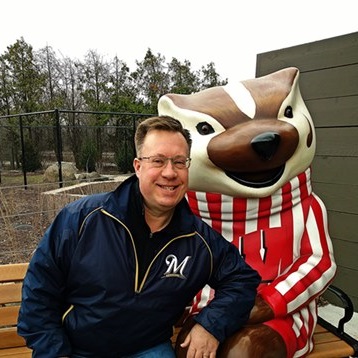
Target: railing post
[
  {"x": 0, "y": 163},
  {"x": 23, "y": 152},
  {"x": 59, "y": 146}
]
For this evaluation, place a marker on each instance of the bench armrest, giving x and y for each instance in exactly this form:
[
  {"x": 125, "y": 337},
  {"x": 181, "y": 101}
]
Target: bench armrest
[
  {"x": 348, "y": 314},
  {"x": 347, "y": 305}
]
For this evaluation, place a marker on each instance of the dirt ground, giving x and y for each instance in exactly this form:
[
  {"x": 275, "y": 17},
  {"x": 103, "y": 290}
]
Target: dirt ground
[
  {"x": 22, "y": 222},
  {"x": 25, "y": 215}
]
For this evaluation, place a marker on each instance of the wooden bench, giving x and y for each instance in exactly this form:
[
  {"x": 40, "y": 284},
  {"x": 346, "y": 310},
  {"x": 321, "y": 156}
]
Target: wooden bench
[
  {"x": 11, "y": 345},
  {"x": 330, "y": 341}
]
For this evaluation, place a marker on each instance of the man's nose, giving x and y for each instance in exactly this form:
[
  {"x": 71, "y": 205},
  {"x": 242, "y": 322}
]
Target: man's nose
[{"x": 169, "y": 167}]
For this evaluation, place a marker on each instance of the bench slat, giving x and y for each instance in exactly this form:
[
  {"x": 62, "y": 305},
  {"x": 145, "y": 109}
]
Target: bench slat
[
  {"x": 9, "y": 338},
  {"x": 331, "y": 350},
  {"x": 8, "y": 315},
  {"x": 328, "y": 345},
  {"x": 325, "y": 337},
  {"x": 319, "y": 329},
  {"x": 21, "y": 352},
  {"x": 10, "y": 292},
  {"x": 13, "y": 272}
]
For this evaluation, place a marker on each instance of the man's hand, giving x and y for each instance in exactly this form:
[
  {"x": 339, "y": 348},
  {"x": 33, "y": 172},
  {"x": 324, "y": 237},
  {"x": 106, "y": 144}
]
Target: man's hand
[{"x": 200, "y": 343}]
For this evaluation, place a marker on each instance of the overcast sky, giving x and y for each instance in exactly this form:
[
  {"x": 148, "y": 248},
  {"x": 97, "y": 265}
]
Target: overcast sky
[{"x": 229, "y": 33}]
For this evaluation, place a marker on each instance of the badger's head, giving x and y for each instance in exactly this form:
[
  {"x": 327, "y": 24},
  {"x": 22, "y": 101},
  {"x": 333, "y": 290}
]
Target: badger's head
[{"x": 249, "y": 138}]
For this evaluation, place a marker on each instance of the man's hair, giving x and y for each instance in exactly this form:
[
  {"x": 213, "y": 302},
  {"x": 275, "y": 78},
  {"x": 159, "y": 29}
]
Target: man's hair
[{"x": 161, "y": 123}]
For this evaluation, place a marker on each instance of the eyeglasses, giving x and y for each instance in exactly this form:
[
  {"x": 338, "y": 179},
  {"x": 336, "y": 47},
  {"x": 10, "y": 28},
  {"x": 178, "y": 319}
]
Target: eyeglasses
[{"x": 157, "y": 161}]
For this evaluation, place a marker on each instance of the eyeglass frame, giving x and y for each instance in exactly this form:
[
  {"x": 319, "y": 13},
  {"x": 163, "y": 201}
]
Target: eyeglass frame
[{"x": 165, "y": 161}]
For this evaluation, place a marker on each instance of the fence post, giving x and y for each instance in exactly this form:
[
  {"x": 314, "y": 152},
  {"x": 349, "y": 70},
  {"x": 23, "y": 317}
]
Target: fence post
[
  {"x": 134, "y": 127},
  {"x": 0, "y": 164},
  {"x": 59, "y": 146},
  {"x": 23, "y": 152}
]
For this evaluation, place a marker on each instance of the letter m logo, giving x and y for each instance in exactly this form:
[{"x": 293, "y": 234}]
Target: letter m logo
[{"x": 175, "y": 269}]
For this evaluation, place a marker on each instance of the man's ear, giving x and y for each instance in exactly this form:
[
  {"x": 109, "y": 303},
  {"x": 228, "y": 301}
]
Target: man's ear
[{"x": 136, "y": 165}]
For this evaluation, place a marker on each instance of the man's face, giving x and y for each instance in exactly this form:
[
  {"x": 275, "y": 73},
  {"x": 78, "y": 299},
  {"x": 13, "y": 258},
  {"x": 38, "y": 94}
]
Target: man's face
[{"x": 162, "y": 188}]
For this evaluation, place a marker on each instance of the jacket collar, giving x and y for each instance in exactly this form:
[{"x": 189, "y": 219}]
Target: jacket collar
[{"x": 118, "y": 203}]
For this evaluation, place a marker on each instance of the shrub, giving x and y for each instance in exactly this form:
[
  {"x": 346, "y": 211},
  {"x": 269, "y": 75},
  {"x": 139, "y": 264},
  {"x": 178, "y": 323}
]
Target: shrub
[
  {"x": 123, "y": 157},
  {"x": 32, "y": 160},
  {"x": 88, "y": 156}
]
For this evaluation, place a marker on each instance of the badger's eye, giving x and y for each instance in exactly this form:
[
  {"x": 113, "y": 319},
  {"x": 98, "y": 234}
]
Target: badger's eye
[
  {"x": 204, "y": 128},
  {"x": 289, "y": 112}
]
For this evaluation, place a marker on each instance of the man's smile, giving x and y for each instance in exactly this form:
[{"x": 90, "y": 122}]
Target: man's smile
[{"x": 168, "y": 187}]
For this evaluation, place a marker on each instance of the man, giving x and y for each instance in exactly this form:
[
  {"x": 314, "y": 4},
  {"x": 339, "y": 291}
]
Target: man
[{"x": 115, "y": 271}]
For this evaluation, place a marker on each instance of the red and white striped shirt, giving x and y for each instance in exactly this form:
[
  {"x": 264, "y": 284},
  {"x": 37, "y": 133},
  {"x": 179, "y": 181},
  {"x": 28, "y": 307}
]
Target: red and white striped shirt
[{"x": 284, "y": 237}]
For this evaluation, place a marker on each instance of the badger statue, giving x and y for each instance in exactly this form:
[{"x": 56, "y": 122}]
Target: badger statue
[{"x": 250, "y": 179}]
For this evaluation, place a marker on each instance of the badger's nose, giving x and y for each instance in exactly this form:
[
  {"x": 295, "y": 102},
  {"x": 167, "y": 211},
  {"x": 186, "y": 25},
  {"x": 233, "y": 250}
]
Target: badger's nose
[{"x": 266, "y": 144}]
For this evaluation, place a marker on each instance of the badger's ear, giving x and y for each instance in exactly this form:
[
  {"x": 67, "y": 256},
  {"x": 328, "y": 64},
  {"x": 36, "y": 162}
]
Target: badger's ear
[
  {"x": 169, "y": 105},
  {"x": 165, "y": 106}
]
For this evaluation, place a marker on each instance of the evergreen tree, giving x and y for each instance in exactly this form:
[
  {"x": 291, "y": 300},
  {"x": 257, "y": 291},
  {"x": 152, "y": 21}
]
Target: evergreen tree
[
  {"x": 209, "y": 77},
  {"x": 182, "y": 79},
  {"x": 24, "y": 77},
  {"x": 151, "y": 80}
]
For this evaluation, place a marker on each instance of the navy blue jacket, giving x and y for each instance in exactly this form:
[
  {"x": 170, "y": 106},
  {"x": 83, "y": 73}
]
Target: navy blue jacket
[{"x": 82, "y": 294}]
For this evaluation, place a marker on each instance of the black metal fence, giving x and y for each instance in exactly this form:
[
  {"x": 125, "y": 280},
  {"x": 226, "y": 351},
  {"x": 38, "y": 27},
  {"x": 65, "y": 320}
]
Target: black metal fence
[{"x": 87, "y": 138}]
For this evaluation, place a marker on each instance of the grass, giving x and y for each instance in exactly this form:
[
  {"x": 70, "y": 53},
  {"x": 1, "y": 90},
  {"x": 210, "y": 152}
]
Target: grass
[
  {"x": 11, "y": 178},
  {"x": 25, "y": 212},
  {"x": 22, "y": 219}
]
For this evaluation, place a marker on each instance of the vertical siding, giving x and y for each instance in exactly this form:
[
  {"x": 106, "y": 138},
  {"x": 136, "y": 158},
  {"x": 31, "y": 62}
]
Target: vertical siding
[{"x": 329, "y": 86}]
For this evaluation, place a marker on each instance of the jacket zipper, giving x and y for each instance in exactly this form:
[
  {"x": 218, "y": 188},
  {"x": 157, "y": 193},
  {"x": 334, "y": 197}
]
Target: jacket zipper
[{"x": 138, "y": 288}]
